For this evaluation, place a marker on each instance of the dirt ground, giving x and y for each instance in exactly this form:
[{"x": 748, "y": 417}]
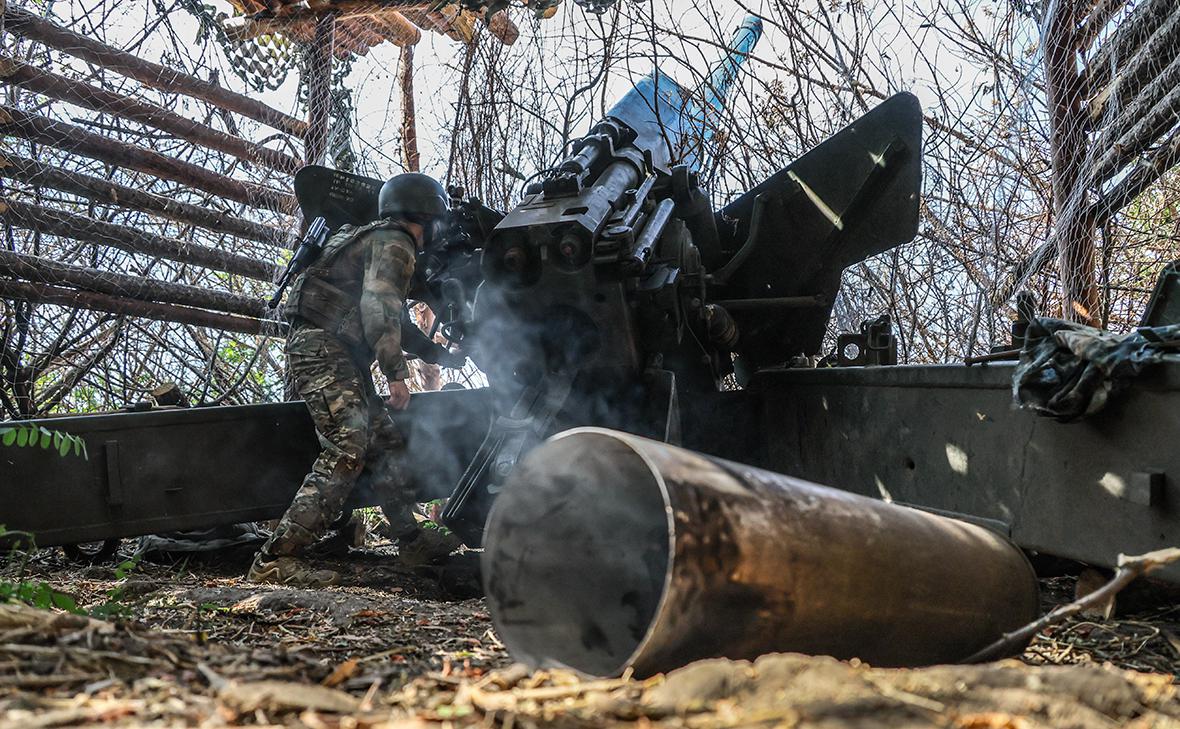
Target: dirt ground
[{"x": 197, "y": 646}]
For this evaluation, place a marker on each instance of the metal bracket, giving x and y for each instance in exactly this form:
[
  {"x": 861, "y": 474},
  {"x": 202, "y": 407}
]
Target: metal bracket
[
  {"x": 114, "y": 474},
  {"x": 875, "y": 344}
]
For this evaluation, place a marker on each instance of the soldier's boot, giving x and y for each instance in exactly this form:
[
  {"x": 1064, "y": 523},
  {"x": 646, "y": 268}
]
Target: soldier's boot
[
  {"x": 290, "y": 571},
  {"x": 426, "y": 547}
]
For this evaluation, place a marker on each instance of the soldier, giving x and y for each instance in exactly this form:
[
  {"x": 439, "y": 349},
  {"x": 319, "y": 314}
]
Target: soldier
[{"x": 345, "y": 310}]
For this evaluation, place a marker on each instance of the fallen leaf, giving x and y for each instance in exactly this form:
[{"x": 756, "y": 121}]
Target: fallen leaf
[
  {"x": 246, "y": 697},
  {"x": 989, "y": 720},
  {"x": 341, "y": 673},
  {"x": 1089, "y": 581},
  {"x": 368, "y": 614}
]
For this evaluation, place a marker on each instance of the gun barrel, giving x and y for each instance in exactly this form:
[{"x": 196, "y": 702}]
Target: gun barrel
[
  {"x": 716, "y": 88},
  {"x": 606, "y": 550},
  {"x": 671, "y": 123}
]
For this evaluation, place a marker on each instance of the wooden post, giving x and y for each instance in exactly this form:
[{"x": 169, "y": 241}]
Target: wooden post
[
  {"x": 319, "y": 89},
  {"x": 151, "y": 74},
  {"x": 87, "y": 230},
  {"x": 102, "y": 100},
  {"x": 409, "y": 118},
  {"x": 1073, "y": 231},
  {"x": 43, "y": 294},
  {"x": 106, "y": 192},
  {"x": 42, "y": 270},
  {"x": 72, "y": 138}
]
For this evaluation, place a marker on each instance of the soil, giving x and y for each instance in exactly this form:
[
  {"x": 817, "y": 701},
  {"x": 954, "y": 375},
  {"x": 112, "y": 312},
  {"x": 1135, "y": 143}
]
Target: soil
[{"x": 198, "y": 646}]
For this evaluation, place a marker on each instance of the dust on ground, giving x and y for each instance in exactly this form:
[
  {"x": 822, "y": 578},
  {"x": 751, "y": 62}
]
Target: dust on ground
[{"x": 198, "y": 646}]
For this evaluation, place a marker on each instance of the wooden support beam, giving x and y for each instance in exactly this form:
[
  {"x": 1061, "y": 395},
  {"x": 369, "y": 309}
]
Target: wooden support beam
[
  {"x": 1096, "y": 20},
  {"x": 41, "y": 270},
  {"x": 397, "y": 29},
  {"x": 1142, "y": 175},
  {"x": 106, "y": 192},
  {"x": 1146, "y": 62},
  {"x": 501, "y": 27},
  {"x": 79, "y": 228},
  {"x": 1131, "y": 35},
  {"x": 151, "y": 74},
  {"x": 1152, "y": 114},
  {"x": 319, "y": 89},
  {"x": 410, "y": 155},
  {"x": 72, "y": 138},
  {"x": 44, "y": 294},
  {"x": 109, "y": 102}
]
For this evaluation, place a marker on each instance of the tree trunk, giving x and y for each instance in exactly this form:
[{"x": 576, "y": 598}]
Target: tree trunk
[{"x": 1074, "y": 231}]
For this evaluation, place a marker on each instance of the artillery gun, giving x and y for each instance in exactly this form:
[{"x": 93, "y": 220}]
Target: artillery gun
[{"x": 615, "y": 295}]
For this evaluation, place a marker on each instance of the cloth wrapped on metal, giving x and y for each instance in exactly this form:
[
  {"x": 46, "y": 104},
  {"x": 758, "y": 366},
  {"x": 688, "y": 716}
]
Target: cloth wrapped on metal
[{"x": 1068, "y": 371}]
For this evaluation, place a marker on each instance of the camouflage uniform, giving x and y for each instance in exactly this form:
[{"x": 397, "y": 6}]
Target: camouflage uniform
[{"x": 345, "y": 310}]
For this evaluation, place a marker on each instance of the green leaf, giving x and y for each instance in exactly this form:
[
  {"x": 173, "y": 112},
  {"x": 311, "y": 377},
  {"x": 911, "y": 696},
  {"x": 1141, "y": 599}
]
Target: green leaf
[
  {"x": 63, "y": 601},
  {"x": 22, "y": 438},
  {"x": 77, "y": 445},
  {"x": 85, "y": 453},
  {"x": 125, "y": 568},
  {"x": 63, "y": 446},
  {"x": 8, "y": 436},
  {"x": 46, "y": 437},
  {"x": 57, "y": 438}
]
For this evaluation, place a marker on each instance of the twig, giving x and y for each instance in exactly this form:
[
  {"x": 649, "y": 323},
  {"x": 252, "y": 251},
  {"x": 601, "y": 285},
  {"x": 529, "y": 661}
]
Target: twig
[
  {"x": 1005, "y": 354},
  {"x": 1129, "y": 569}
]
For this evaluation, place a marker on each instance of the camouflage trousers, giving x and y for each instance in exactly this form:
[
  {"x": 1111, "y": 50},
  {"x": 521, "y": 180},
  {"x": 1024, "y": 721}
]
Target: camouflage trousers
[{"x": 356, "y": 436}]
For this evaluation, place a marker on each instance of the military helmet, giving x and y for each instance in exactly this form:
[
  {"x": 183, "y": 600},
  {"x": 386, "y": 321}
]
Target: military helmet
[{"x": 414, "y": 196}]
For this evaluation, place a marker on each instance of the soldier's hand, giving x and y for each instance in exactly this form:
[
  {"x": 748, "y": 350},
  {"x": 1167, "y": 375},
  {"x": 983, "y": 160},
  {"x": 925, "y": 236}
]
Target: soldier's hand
[
  {"x": 452, "y": 359},
  {"x": 399, "y": 395}
]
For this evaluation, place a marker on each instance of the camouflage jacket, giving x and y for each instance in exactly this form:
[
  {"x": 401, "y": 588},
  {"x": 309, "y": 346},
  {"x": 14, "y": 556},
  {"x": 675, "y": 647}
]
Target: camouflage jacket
[{"x": 356, "y": 290}]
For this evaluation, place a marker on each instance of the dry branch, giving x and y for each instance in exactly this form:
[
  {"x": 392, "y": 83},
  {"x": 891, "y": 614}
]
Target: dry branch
[
  {"x": 72, "y": 138},
  {"x": 111, "y": 193},
  {"x": 43, "y": 294},
  {"x": 87, "y": 230},
  {"x": 41, "y": 270},
  {"x": 1130, "y": 569},
  {"x": 151, "y": 74},
  {"x": 102, "y": 100}
]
